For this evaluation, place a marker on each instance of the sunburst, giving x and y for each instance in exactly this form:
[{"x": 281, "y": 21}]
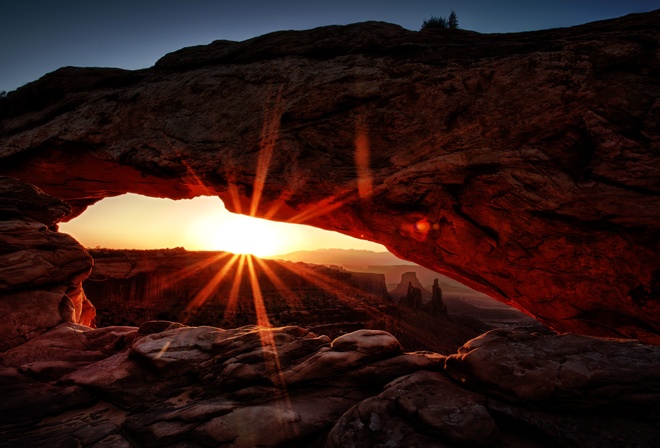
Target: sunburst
[
  {"x": 203, "y": 295},
  {"x": 361, "y": 189}
]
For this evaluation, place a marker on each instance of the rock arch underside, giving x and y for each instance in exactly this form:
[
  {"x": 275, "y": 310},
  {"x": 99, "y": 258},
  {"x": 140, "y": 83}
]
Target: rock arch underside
[{"x": 524, "y": 165}]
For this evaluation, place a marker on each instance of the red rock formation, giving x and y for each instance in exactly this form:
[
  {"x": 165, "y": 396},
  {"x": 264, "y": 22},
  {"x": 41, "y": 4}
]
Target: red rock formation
[
  {"x": 525, "y": 165},
  {"x": 437, "y": 305},
  {"x": 167, "y": 384},
  {"x": 41, "y": 270},
  {"x": 526, "y": 391},
  {"x": 407, "y": 279}
]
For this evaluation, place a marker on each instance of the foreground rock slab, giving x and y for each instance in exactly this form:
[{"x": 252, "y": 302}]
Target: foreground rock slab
[
  {"x": 170, "y": 385},
  {"x": 441, "y": 412},
  {"x": 561, "y": 370}
]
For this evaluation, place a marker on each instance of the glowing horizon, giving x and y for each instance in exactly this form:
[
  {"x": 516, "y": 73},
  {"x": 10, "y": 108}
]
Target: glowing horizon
[{"x": 133, "y": 221}]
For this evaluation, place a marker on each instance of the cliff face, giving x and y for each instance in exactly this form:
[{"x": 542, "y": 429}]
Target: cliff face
[
  {"x": 129, "y": 287},
  {"x": 41, "y": 270},
  {"x": 525, "y": 165}
]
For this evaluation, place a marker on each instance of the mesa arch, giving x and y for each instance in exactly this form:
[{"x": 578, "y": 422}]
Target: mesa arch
[{"x": 525, "y": 165}]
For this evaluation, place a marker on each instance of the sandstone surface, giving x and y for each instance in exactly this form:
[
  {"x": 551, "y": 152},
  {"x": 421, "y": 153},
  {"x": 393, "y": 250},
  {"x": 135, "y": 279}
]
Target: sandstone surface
[
  {"x": 41, "y": 270},
  {"x": 169, "y": 385},
  {"x": 526, "y": 165},
  {"x": 561, "y": 370}
]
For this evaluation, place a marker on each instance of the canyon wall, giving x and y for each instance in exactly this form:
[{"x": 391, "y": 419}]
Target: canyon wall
[
  {"x": 525, "y": 165},
  {"x": 130, "y": 287}
]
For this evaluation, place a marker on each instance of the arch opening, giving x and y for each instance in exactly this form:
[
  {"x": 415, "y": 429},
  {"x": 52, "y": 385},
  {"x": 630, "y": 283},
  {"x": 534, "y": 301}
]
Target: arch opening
[
  {"x": 192, "y": 261},
  {"x": 203, "y": 223}
]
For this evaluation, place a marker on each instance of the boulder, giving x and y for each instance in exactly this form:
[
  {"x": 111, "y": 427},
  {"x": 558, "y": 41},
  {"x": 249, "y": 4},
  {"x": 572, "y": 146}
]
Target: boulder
[
  {"x": 561, "y": 371},
  {"x": 68, "y": 343},
  {"x": 370, "y": 342},
  {"x": 421, "y": 409},
  {"x": 38, "y": 257},
  {"x": 20, "y": 200},
  {"x": 284, "y": 386}
]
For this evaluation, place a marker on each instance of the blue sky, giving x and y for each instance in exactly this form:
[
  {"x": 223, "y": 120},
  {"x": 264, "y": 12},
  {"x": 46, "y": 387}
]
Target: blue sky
[{"x": 37, "y": 37}]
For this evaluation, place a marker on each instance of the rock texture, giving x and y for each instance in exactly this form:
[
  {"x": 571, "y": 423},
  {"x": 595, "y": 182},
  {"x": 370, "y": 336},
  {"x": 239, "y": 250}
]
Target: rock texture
[
  {"x": 565, "y": 371},
  {"x": 169, "y": 385},
  {"x": 166, "y": 384},
  {"x": 525, "y": 165},
  {"x": 41, "y": 270}
]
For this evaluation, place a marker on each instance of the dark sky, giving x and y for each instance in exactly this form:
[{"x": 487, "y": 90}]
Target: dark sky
[{"x": 37, "y": 37}]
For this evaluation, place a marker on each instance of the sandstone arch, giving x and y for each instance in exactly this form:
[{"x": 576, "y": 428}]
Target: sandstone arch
[{"x": 525, "y": 165}]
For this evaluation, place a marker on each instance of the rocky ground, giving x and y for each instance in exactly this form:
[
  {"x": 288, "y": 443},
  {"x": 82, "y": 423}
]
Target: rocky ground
[
  {"x": 165, "y": 384},
  {"x": 169, "y": 385}
]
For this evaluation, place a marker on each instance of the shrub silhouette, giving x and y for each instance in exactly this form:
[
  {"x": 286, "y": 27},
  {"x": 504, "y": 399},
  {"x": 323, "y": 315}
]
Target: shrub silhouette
[
  {"x": 440, "y": 22},
  {"x": 434, "y": 22}
]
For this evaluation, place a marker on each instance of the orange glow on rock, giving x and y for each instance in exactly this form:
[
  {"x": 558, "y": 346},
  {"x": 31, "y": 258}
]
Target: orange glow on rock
[
  {"x": 418, "y": 230},
  {"x": 269, "y": 134},
  {"x": 423, "y": 226},
  {"x": 362, "y": 161}
]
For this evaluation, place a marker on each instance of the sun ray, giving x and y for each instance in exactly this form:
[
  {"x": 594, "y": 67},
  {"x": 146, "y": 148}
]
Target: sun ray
[
  {"x": 190, "y": 270},
  {"x": 271, "y": 355},
  {"x": 257, "y": 297},
  {"x": 323, "y": 207},
  {"x": 202, "y": 296},
  {"x": 197, "y": 186},
  {"x": 277, "y": 204},
  {"x": 156, "y": 287},
  {"x": 344, "y": 292},
  {"x": 235, "y": 199},
  {"x": 269, "y": 135},
  {"x": 232, "y": 301},
  {"x": 163, "y": 350},
  {"x": 291, "y": 298}
]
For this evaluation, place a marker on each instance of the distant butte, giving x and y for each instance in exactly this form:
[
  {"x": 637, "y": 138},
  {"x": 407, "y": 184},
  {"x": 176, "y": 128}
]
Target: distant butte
[
  {"x": 402, "y": 288},
  {"x": 525, "y": 165}
]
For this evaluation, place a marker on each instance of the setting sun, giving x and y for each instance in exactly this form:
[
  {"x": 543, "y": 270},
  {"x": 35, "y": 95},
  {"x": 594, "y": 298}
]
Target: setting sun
[
  {"x": 203, "y": 223},
  {"x": 238, "y": 234}
]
